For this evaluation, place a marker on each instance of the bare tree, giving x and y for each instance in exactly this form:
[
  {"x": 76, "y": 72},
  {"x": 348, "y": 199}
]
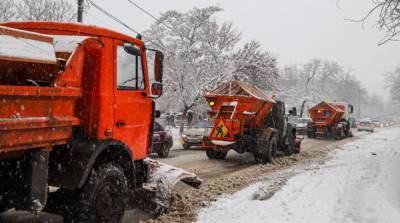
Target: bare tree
[
  {"x": 201, "y": 53},
  {"x": 388, "y": 18},
  {"x": 393, "y": 82},
  {"x": 318, "y": 80},
  {"x": 7, "y": 10},
  {"x": 197, "y": 48},
  {"x": 256, "y": 67},
  {"x": 46, "y": 10}
]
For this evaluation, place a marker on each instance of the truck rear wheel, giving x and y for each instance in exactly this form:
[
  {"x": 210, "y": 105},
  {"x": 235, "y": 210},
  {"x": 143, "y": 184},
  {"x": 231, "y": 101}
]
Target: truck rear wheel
[
  {"x": 212, "y": 154},
  {"x": 102, "y": 199},
  {"x": 264, "y": 153},
  {"x": 186, "y": 146}
]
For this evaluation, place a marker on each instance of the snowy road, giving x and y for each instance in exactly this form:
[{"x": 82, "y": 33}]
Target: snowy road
[{"x": 361, "y": 183}]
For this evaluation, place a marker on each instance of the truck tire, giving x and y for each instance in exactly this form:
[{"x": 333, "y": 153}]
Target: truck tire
[
  {"x": 102, "y": 199},
  {"x": 186, "y": 146},
  {"x": 289, "y": 150},
  {"x": 265, "y": 152},
  {"x": 311, "y": 134},
  {"x": 163, "y": 151},
  {"x": 340, "y": 134},
  {"x": 212, "y": 154}
]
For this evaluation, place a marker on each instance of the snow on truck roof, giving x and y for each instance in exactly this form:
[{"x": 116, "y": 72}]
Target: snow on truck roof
[
  {"x": 237, "y": 88},
  {"x": 71, "y": 29}
]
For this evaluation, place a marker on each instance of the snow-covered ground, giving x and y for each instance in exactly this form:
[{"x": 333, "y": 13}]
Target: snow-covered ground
[{"x": 361, "y": 183}]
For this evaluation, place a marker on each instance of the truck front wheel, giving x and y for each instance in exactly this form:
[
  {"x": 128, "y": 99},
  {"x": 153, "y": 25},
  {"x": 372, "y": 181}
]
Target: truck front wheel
[
  {"x": 340, "y": 134},
  {"x": 102, "y": 199}
]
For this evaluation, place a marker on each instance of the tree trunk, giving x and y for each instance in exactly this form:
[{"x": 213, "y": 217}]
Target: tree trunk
[
  {"x": 302, "y": 108},
  {"x": 183, "y": 121}
]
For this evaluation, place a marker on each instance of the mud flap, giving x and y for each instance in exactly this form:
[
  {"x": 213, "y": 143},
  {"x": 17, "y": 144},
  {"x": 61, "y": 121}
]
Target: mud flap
[
  {"x": 297, "y": 144},
  {"x": 157, "y": 192}
]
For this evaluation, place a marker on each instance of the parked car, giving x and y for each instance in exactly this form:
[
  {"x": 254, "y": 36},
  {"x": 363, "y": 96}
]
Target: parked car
[
  {"x": 194, "y": 136},
  {"x": 366, "y": 125},
  {"x": 301, "y": 125},
  {"x": 377, "y": 123},
  {"x": 162, "y": 140}
]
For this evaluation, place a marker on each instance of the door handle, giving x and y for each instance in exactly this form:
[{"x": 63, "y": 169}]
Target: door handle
[{"x": 120, "y": 124}]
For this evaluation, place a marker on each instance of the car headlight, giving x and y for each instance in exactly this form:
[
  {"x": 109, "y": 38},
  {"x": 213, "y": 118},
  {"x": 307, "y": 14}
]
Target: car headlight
[{"x": 184, "y": 136}]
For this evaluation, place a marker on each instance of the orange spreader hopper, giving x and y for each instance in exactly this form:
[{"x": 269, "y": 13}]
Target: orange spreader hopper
[
  {"x": 326, "y": 113},
  {"x": 330, "y": 119},
  {"x": 246, "y": 120},
  {"x": 237, "y": 107}
]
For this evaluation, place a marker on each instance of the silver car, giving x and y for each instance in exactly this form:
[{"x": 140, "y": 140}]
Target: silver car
[
  {"x": 366, "y": 126},
  {"x": 194, "y": 136}
]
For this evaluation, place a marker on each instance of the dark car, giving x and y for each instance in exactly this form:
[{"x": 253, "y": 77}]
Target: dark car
[{"x": 162, "y": 140}]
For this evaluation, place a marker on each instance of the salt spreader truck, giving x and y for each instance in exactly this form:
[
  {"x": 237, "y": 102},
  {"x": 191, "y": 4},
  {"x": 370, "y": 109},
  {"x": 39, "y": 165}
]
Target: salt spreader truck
[
  {"x": 76, "y": 113},
  {"x": 246, "y": 120},
  {"x": 330, "y": 119}
]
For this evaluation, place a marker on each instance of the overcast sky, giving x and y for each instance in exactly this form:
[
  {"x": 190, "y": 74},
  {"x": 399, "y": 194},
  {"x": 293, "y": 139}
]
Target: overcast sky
[{"x": 293, "y": 30}]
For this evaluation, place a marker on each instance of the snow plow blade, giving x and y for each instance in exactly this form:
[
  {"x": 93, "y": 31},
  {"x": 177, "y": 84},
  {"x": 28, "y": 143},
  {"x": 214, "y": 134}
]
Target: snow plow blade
[{"x": 157, "y": 192}]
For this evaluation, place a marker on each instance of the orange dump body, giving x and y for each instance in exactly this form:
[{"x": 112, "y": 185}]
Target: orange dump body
[
  {"x": 37, "y": 116},
  {"x": 237, "y": 108},
  {"x": 325, "y": 114}
]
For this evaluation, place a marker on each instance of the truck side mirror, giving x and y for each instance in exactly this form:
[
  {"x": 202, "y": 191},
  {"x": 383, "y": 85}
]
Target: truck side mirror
[
  {"x": 132, "y": 49},
  {"x": 293, "y": 111},
  {"x": 158, "y": 66},
  {"x": 156, "y": 90},
  {"x": 157, "y": 114},
  {"x": 351, "y": 108}
]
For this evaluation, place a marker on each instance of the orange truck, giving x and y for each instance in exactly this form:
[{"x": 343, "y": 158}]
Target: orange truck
[
  {"x": 330, "y": 119},
  {"x": 76, "y": 115},
  {"x": 246, "y": 120}
]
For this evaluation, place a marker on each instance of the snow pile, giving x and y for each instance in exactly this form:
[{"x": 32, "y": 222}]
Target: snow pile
[{"x": 360, "y": 184}]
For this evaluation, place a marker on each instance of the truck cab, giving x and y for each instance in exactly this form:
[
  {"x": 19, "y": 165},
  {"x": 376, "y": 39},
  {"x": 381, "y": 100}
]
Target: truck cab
[{"x": 76, "y": 113}]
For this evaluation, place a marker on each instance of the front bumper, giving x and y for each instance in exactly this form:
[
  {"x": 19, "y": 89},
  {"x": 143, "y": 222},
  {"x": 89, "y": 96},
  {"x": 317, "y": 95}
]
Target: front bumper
[
  {"x": 192, "y": 140},
  {"x": 365, "y": 129},
  {"x": 301, "y": 130}
]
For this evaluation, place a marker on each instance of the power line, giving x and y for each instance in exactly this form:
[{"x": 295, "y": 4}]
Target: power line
[
  {"x": 124, "y": 24},
  {"x": 111, "y": 16},
  {"x": 156, "y": 19},
  {"x": 149, "y": 14},
  {"x": 143, "y": 10}
]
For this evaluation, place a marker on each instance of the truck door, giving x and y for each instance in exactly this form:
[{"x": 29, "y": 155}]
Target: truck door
[{"x": 133, "y": 109}]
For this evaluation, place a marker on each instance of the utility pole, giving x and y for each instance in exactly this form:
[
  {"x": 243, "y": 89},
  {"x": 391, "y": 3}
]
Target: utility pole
[
  {"x": 359, "y": 102},
  {"x": 80, "y": 10}
]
